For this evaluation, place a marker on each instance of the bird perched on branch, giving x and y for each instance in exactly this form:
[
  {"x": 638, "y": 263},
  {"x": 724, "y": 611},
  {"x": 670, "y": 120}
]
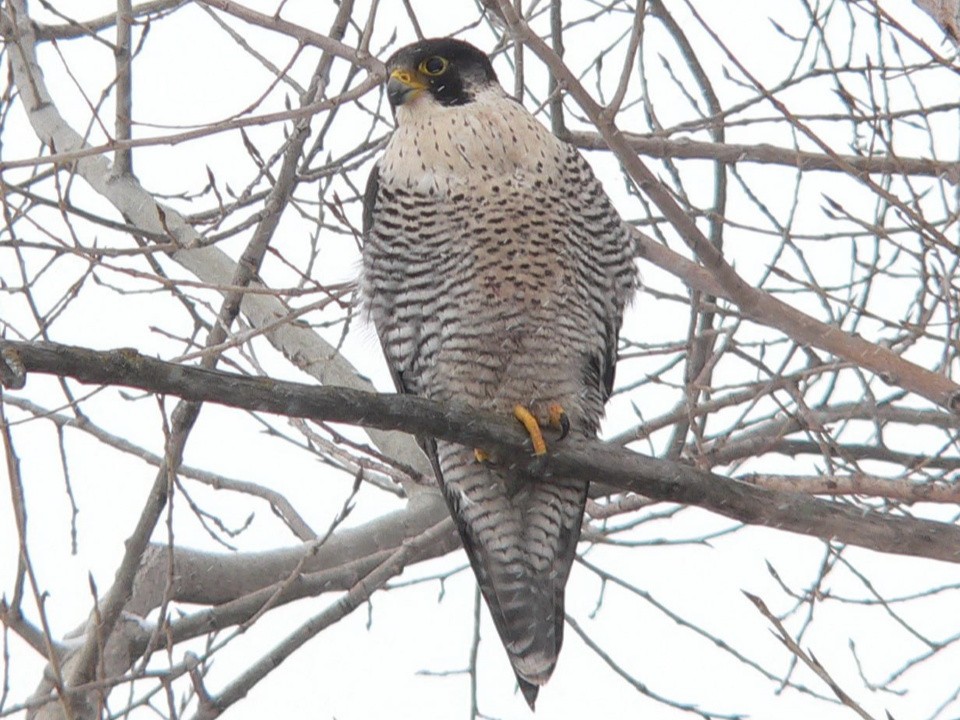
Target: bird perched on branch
[{"x": 496, "y": 271}]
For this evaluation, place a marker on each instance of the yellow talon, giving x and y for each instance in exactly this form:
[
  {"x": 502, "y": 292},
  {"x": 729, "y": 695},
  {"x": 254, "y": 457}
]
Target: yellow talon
[
  {"x": 559, "y": 419},
  {"x": 533, "y": 428}
]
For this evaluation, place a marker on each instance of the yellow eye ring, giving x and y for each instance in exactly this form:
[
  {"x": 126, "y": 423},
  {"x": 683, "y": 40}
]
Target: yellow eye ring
[{"x": 434, "y": 66}]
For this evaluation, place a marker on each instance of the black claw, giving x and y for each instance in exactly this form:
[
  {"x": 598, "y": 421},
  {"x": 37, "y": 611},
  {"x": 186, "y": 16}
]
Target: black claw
[
  {"x": 564, "y": 426},
  {"x": 537, "y": 466}
]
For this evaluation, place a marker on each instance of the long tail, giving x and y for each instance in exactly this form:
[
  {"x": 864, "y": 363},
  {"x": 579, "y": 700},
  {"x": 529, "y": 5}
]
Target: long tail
[{"x": 521, "y": 537}]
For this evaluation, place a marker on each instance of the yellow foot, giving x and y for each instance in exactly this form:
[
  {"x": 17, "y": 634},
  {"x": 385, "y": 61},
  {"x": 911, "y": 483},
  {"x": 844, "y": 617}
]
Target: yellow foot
[
  {"x": 533, "y": 428},
  {"x": 481, "y": 455}
]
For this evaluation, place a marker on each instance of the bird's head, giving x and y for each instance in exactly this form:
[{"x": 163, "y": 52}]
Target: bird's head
[{"x": 441, "y": 70}]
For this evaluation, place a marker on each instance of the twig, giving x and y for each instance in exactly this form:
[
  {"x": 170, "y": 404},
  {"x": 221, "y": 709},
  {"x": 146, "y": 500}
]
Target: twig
[{"x": 807, "y": 658}]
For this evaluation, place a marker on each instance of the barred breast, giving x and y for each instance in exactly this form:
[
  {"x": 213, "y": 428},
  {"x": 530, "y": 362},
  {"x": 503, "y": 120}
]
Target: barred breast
[{"x": 496, "y": 265}]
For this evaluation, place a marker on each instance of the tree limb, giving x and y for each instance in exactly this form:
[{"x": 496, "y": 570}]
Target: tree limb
[
  {"x": 766, "y": 154},
  {"x": 617, "y": 467}
]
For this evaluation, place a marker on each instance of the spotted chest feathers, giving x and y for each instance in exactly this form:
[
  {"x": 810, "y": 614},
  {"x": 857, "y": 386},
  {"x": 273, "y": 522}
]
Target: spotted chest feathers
[{"x": 439, "y": 150}]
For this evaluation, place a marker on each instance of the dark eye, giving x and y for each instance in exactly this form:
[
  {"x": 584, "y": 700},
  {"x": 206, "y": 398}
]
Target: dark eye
[{"x": 435, "y": 65}]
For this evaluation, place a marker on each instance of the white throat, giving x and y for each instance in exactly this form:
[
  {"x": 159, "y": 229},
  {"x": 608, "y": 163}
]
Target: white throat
[{"x": 495, "y": 137}]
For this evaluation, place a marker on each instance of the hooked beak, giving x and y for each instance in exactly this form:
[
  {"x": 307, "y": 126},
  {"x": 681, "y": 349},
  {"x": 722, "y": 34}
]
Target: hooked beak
[{"x": 403, "y": 86}]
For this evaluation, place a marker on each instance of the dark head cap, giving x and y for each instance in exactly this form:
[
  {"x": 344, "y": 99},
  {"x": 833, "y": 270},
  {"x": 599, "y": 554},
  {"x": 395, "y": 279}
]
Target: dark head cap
[{"x": 450, "y": 70}]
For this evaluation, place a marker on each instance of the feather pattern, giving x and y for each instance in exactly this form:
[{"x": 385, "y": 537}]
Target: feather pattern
[{"x": 496, "y": 272}]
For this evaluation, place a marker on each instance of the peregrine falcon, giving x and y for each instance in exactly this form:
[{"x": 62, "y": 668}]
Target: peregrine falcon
[{"x": 496, "y": 271}]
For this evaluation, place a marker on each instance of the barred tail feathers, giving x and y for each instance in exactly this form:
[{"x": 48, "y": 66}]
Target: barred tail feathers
[{"x": 521, "y": 538}]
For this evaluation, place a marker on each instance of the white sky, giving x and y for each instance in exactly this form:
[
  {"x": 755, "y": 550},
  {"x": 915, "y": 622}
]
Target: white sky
[{"x": 189, "y": 74}]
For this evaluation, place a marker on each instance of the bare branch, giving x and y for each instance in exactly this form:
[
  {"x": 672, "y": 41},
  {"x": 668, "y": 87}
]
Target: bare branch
[{"x": 658, "y": 479}]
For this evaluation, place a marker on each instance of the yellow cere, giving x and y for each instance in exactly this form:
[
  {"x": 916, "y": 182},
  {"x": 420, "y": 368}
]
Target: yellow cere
[{"x": 407, "y": 78}]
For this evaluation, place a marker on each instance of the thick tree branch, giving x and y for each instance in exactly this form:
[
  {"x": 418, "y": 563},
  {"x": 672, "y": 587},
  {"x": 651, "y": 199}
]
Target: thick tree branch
[{"x": 613, "y": 466}]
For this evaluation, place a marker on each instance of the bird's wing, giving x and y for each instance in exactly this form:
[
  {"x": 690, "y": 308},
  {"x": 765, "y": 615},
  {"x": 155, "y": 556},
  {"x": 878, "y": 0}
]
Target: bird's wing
[
  {"x": 370, "y": 197},
  {"x": 401, "y": 381},
  {"x": 369, "y": 216},
  {"x": 615, "y": 242}
]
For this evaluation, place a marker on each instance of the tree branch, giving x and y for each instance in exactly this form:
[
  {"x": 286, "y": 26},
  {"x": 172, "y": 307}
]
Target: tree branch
[
  {"x": 766, "y": 154},
  {"x": 753, "y": 302},
  {"x": 303, "y": 346},
  {"x": 617, "y": 467}
]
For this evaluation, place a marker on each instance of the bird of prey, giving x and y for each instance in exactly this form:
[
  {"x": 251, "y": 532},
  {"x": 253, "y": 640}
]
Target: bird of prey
[{"x": 496, "y": 271}]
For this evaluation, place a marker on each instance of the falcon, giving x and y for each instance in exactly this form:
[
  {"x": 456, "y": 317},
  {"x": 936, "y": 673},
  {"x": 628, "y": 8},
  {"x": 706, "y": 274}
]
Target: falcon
[{"x": 496, "y": 271}]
